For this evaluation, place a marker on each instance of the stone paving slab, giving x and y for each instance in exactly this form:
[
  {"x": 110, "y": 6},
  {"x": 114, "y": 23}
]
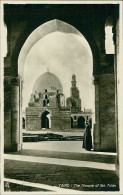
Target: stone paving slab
[
  {"x": 69, "y": 155},
  {"x": 61, "y": 146},
  {"x": 17, "y": 187},
  {"x": 58, "y": 161},
  {"x": 77, "y": 178}
]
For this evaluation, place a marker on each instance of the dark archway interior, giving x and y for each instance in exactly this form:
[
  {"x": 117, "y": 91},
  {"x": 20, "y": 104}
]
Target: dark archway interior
[
  {"x": 45, "y": 120},
  {"x": 71, "y": 122},
  {"x": 23, "y": 122},
  {"x": 81, "y": 122}
]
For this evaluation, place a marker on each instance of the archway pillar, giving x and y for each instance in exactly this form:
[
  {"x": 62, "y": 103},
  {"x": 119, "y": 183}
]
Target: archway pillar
[
  {"x": 104, "y": 130},
  {"x": 16, "y": 118},
  {"x": 97, "y": 134},
  {"x": 13, "y": 127}
]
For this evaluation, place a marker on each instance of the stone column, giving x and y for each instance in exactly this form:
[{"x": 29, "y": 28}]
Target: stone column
[
  {"x": 20, "y": 114},
  {"x": 107, "y": 112},
  {"x": 97, "y": 135},
  {"x": 104, "y": 130},
  {"x": 7, "y": 113},
  {"x": 15, "y": 114}
]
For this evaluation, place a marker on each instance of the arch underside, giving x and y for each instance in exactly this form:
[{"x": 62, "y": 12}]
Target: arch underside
[
  {"x": 40, "y": 32},
  {"x": 93, "y": 29}
]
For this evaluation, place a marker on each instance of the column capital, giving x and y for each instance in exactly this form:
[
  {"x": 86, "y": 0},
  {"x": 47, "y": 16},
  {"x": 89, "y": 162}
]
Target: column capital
[
  {"x": 15, "y": 81},
  {"x": 96, "y": 80},
  {"x": 103, "y": 59}
]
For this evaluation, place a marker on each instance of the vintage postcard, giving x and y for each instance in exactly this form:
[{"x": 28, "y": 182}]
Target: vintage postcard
[{"x": 61, "y": 97}]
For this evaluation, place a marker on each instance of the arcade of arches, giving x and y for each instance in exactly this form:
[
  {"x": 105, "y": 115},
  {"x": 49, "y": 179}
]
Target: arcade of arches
[{"x": 90, "y": 22}]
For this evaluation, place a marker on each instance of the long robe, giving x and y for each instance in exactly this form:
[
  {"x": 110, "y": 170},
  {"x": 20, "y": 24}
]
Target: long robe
[{"x": 87, "y": 139}]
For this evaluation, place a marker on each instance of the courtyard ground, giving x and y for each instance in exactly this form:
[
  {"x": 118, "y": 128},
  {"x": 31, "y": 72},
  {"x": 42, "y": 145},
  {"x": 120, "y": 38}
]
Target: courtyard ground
[{"x": 59, "y": 167}]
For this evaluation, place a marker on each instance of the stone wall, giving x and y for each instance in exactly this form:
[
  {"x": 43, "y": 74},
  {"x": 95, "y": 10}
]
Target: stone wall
[
  {"x": 7, "y": 131},
  {"x": 105, "y": 133},
  {"x": 33, "y": 123},
  {"x": 61, "y": 120},
  {"x": 36, "y": 102},
  {"x": 33, "y": 118},
  {"x": 107, "y": 112}
]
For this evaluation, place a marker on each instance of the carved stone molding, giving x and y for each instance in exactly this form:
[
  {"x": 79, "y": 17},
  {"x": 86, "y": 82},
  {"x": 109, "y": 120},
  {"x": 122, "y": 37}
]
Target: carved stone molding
[
  {"x": 96, "y": 80},
  {"x": 15, "y": 81}
]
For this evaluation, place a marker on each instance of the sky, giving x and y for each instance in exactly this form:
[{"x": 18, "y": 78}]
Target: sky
[
  {"x": 109, "y": 45},
  {"x": 63, "y": 54}
]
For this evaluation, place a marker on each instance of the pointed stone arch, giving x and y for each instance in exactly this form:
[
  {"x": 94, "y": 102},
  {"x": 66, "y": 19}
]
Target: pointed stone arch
[
  {"x": 90, "y": 29},
  {"x": 81, "y": 122},
  {"x": 45, "y": 120},
  {"x": 40, "y": 32}
]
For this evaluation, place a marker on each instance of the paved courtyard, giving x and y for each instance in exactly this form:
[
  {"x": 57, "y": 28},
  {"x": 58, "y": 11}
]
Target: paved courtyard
[
  {"x": 59, "y": 166},
  {"x": 63, "y": 146}
]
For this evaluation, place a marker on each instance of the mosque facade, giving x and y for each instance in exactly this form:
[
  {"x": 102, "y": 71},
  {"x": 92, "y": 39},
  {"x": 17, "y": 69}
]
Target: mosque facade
[{"x": 48, "y": 108}]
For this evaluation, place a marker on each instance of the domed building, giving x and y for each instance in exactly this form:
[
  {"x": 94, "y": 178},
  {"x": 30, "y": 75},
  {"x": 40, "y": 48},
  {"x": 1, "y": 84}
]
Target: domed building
[
  {"x": 48, "y": 81},
  {"x": 47, "y": 108}
]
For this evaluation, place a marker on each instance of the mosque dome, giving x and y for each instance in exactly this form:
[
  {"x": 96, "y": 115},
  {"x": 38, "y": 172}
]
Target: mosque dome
[{"x": 48, "y": 81}]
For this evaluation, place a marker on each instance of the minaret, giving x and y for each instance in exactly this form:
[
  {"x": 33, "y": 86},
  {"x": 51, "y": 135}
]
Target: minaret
[
  {"x": 74, "y": 102},
  {"x": 74, "y": 89},
  {"x": 73, "y": 82}
]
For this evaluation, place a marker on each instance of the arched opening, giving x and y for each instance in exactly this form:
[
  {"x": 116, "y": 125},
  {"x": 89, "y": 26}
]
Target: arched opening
[
  {"x": 81, "y": 122},
  {"x": 43, "y": 35},
  {"x": 48, "y": 102},
  {"x": 109, "y": 43},
  {"x": 71, "y": 122},
  {"x": 45, "y": 120},
  {"x": 91, "y": 27},
  {"x": 65, "y": 39},
  {"x": 44, "y": 102},
  {"x": 23, "y": 122}
]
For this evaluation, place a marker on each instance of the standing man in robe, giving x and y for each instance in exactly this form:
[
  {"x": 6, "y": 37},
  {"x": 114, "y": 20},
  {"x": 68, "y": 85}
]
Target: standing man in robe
[{"x": 87, "y": 139}]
